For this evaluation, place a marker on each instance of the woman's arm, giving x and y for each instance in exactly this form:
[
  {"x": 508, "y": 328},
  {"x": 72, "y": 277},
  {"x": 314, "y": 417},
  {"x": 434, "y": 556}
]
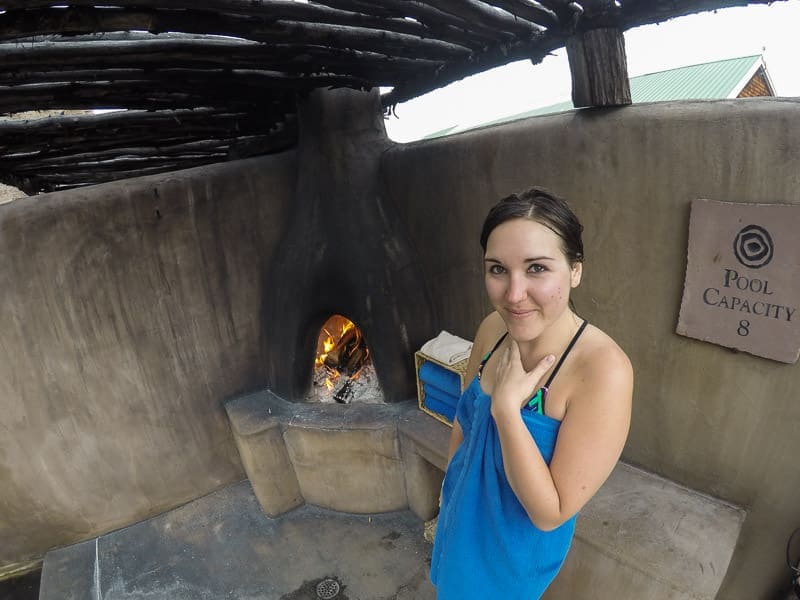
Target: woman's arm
[{"x": 590, "y": 439}]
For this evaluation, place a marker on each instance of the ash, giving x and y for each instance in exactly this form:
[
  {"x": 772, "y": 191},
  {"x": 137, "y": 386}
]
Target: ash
[{"x": 364, "y": 389}]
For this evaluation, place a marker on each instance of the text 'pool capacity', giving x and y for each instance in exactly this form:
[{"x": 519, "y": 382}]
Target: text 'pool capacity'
[{"x": 732, "y": 300}]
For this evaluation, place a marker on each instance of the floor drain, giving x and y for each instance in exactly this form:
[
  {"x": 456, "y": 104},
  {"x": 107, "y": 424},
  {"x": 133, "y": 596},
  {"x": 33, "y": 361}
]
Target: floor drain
[{"x": 327, "y": 589}]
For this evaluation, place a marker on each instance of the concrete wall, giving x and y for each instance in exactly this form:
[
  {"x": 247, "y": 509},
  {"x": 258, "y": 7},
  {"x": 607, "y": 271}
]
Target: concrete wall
[
  {"x": 723, "y": 423},
  {"x": 128, "y": 313}
]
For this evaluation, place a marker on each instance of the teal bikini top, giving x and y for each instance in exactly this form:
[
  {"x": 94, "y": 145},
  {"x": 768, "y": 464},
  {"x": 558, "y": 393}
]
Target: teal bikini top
[{"x": 536, "y": 403}]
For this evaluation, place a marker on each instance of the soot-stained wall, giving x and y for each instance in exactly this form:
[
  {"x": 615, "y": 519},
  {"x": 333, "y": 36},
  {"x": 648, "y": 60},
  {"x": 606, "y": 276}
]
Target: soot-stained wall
[
  {"x": 128, "y": 312},
  {"x": 716, "y": 421}
]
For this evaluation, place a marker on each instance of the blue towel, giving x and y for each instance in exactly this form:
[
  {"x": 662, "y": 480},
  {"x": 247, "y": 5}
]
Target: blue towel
[
  {"x": 486, "y": 545},
  {"x": 440, "y": 407},
  {"x": 439, "y": 401},
  {"x": 450, "y": 397},
  {"x": 443, "y": 397},
  {"x": 441, "y": 378}
]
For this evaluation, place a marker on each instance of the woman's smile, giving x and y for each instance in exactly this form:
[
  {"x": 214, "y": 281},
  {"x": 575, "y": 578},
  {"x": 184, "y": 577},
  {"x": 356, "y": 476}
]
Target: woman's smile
[{"x": 519, "y": 313}]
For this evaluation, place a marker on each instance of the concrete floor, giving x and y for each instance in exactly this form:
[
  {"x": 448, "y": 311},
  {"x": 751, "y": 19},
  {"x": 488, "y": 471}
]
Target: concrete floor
[{"x": 224, "y": 546}]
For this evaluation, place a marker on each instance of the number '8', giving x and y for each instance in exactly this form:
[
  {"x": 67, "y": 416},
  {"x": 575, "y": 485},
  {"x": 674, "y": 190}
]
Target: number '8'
[{"x": 744, "y": 327}]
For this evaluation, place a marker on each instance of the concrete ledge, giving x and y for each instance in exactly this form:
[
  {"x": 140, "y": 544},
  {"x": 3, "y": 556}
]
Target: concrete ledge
[
  {"x": 427, "y": 436},
  {"x": 644, "y": 537},
  {"x": 424, "y": 441},
  {"x": 347, "y": 458},
  {"x": 349, "y": 469},
  {"x": 274, "y": 483}
]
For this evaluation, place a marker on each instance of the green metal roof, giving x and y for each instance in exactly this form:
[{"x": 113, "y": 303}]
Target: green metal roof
[
  {"x": 707, "y": 81},
  {"x": 714, "y": 80}
]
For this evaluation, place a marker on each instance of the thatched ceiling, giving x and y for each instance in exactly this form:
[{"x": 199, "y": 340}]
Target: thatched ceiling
[{"x": 212, "y": 80}]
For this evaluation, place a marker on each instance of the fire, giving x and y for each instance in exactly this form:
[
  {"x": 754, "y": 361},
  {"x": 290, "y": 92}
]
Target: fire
[
  {"x": 327, "y": 346},
  {"x": 341, "y": 351}
]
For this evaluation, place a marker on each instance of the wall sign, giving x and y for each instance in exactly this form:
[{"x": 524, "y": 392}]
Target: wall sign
[{"x": 742, "y": 287}]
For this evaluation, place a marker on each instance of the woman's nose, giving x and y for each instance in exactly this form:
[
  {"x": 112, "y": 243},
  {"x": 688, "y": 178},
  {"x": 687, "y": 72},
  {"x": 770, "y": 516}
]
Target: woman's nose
[{"x": 517, "y": 289}]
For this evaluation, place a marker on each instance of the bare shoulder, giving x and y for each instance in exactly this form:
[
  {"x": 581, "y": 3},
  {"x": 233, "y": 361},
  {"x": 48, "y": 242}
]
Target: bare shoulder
[
  {"x": 600, "y": 350},
  {"x": 489, "y": 331},
  {"x": 603, "y": 369}
]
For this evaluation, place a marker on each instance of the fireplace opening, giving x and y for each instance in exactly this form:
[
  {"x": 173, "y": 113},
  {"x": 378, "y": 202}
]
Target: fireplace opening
[{"x": 343, "y": 369}]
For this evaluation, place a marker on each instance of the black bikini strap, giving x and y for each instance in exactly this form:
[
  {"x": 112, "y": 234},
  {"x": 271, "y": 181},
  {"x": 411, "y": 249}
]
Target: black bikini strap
[
  {"x": 563, "y": 356},
  {"x": 488, "y": 355},
  {"x": 497, "y": 345}
]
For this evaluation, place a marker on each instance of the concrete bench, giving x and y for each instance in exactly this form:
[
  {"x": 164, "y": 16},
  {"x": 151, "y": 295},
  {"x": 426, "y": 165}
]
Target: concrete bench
[
  {"x": 349, "y": 458},
  {"x": 642, "y": 537}
]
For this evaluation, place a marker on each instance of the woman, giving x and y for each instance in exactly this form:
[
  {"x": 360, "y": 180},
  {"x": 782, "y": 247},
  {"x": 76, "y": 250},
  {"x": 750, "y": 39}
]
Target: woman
[{"x": 525, "y": 456}]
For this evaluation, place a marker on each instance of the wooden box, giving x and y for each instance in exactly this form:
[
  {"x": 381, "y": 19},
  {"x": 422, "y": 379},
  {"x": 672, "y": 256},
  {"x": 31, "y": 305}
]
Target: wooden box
[{"x": 459, "y": 368}]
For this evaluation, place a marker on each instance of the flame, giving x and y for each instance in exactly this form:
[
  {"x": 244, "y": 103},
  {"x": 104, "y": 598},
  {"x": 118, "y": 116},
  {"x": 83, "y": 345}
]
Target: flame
[
  {"x": 327, "y": 345},
  {"x": 330, "y": 334},
  {"x": 330, "y": 380}
]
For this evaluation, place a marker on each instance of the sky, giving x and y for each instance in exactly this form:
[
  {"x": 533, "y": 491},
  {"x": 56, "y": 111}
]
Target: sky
[{"x": 769, "y": 30}]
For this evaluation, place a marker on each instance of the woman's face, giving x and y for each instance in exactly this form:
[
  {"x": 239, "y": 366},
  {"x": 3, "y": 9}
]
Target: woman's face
[{"x": 528, "y": 278}]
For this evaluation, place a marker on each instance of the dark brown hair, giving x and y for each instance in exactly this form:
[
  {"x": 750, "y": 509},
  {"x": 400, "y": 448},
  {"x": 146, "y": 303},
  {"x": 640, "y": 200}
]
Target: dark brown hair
[{"x": 537, "y": 204}]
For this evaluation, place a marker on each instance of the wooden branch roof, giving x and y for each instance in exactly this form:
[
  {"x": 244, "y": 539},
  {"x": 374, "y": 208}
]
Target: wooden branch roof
[{"x": 202, "y": 81}]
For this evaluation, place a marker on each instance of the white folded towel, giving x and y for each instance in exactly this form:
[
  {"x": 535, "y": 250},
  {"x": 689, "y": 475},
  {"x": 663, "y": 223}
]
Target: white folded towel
[{"x": 447, "y": 348}]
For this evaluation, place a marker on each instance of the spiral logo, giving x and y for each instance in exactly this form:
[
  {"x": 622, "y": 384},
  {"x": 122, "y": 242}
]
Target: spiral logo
[{"x": 753, "y": 246}]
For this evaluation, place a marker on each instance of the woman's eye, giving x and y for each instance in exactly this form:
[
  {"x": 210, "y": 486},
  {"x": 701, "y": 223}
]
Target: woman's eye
[
  {"x": 496, "y": 270},
  {"x": 537, "y": 268}
]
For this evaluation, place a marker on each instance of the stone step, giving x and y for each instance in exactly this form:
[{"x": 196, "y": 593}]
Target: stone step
[{"x": 224, "y": 546}]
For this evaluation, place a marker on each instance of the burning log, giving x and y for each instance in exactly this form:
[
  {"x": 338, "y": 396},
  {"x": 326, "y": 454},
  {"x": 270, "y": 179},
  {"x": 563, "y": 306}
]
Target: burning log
[{"x": 348, "y": 354}]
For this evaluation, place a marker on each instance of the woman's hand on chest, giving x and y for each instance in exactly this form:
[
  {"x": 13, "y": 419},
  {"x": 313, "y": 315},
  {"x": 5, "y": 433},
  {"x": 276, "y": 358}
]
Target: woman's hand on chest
[{"x": 513, "y": 386}]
